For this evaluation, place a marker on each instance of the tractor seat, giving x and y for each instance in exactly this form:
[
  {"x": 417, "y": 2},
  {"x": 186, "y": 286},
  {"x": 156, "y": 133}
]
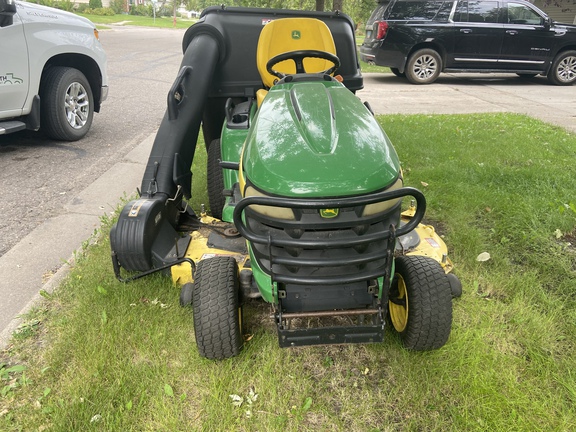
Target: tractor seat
[{"x": 292, "y": 34}]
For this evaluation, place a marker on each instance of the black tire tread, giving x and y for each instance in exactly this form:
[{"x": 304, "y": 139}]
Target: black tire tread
[
  {"x": 52, "y": 117},
  {"x": 215, "y": 180},
  {"x": 215, "y": 301},
  {"x": 430, "y": 303}
]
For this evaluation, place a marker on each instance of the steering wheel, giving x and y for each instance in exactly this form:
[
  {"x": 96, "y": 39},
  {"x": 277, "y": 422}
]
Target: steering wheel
[{"x": 297, "y": 57}]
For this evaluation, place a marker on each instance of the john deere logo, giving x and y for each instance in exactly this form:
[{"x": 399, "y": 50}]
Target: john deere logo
[
  {"x": 328, "y": 213},
  {"x": 296, "y": 34}
]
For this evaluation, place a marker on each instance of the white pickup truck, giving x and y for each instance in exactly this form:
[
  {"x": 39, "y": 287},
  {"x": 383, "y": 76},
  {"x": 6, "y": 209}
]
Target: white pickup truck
[{"x": 52, "y": 71}]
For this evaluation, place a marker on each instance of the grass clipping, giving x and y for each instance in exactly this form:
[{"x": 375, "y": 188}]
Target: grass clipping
[{"x": 100, "y": 355}]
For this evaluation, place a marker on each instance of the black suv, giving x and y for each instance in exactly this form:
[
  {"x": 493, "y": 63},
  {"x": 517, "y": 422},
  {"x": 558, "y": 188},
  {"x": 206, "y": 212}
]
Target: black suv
[{"x": 421, "y": 38}]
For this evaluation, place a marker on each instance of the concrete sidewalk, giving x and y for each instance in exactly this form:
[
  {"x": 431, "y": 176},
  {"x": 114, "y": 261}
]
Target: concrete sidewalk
[{"x": 40, "y": 260}]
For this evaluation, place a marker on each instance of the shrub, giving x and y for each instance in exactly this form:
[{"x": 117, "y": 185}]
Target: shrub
[
  {"x": 141, "y": 10},
  {"x": 95, "y": 4},
  {"x": 118, "y": 6}
]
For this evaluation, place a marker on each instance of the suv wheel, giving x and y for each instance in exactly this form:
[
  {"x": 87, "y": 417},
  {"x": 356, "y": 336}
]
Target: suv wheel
[
  {"x": 563, "y": 70},
  {"x": 423, "y": 66}
]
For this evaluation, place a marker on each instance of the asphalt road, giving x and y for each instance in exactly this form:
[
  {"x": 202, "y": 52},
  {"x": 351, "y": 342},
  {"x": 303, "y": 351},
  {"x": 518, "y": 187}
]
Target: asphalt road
[{"x": 52, "y": 194}]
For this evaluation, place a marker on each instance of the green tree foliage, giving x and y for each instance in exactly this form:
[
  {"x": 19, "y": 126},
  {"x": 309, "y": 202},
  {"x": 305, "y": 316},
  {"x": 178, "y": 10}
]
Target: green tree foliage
[
  {"x": 118, "y": 6},
  {"x": 359, "y": 10}
]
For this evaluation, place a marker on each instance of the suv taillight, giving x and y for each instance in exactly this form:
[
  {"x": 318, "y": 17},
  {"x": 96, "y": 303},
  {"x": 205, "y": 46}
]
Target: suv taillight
[{"x": 380, "y": 28}]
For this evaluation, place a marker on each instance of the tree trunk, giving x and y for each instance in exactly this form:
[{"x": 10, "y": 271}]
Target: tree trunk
[
  {"x": 320, "y": 5},
  {"x": 337, "y": 5}
]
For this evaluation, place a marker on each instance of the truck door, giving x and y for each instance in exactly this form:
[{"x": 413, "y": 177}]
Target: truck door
[
  {"x": 14, "y": 78},
  {"x": 527, "y": 41},
  {"x": 478, "y": 34}
]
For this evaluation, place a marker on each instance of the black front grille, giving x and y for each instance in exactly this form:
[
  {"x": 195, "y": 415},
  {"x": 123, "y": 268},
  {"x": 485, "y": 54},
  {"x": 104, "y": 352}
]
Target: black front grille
[{"x": 312, "y": 250}]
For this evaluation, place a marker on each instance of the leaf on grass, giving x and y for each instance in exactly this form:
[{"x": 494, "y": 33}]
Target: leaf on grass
[
  {"x": 129, "y": 405},
  {"x": 484, "y": 256},
  {"x": 424, "y": 184},
  {"x": 236, "y": 400},
  {"x": 168, "y": 390},
  {"x": 104, "y": 318},
  {"x": 558, "y": 233},
  {"x": 252, "y": 397},
  {"x": 96, "y": 418}
]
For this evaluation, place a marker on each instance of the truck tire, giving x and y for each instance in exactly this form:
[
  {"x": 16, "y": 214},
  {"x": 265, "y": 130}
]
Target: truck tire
[
  {"x": 420, "y": 303},
  {"x": 563, "y": 69},
  {"x": 216, "y": 305},
  {"x": 423, "y": 67},
  {"x": 215, "y": 180},
  {"x": 66, "y": 104}
]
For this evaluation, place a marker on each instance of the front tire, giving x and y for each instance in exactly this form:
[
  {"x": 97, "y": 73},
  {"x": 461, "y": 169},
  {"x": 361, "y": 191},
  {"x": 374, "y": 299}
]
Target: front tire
[
  {"x": 424, "y": 66},
  {"x": 420, "y": 304},
  {"x": 216, "y": 305},
  {"x": 66, "y": 104},
  {"x": 563, "y": 70}
]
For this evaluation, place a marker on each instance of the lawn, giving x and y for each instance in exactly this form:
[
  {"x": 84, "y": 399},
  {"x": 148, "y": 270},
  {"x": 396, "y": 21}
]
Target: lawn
[
  {"x": 101, "y": 355},
  {"x": 135, "y": 20}
]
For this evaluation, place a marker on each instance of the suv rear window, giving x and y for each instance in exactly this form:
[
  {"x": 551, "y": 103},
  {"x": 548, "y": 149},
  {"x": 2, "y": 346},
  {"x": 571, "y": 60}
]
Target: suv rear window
[
  {"x": 415, "y": 10},
  {"x": 477, "y": 11}
]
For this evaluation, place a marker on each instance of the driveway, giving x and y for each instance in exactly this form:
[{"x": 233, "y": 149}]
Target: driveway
[{"x": 472, "y": 93}]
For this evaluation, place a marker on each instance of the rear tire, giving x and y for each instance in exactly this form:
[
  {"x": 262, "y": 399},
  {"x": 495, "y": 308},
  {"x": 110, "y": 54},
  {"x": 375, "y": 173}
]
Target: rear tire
[
  {"x": 420, "y": 303},
  {"x": 215, "y": 180},
  {"x": 66, "y": 104},
  {"x": 563, "y": 70},
  {"x": 216, "y": 306},
  {"x": 424, "y": 66}
]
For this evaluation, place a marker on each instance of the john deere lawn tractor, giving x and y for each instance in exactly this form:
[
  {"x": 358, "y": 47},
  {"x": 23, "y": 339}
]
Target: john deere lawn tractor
[{"x": 307, "y": 202}]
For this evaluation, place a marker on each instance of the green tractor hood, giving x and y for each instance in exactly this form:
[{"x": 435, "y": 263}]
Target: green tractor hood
[{"x": 317, "y": 139}]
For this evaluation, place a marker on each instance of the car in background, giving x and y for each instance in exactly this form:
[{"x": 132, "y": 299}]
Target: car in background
[
  {"x": 419, "y": 39},
  {"x": 52, "y": 71}
]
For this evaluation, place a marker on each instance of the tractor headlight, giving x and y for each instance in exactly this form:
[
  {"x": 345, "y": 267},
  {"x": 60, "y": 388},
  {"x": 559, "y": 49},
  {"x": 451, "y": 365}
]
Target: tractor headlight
[
  {"x": 269, "y": 211},
  {"x": 383, "y": 206}
]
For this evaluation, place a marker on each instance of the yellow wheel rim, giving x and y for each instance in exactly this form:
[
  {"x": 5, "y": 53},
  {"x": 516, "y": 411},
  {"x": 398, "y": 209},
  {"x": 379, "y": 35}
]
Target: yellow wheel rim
[{"x": 399, "y": 313}]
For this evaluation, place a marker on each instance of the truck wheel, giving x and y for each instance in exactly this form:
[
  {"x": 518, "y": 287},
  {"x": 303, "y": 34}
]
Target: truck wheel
[
  {"x": 66, "y": 104},
  {"x": 216, "y": 306},
  {"x": 563, "y": 70},
  {"x": 420, "y": 303},
  {"x": 424, "y": 66},
  {"x": 215, "y": 180}
]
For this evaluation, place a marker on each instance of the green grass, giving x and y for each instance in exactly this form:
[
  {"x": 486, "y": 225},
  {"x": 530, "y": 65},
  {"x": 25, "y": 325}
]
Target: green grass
[
  {"x": 135, "y": 20},
  {"x": 100, "y": 355}
]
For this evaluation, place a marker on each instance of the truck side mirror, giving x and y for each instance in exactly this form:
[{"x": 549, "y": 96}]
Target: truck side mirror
[
  {"x": 7, "y": 11},
  {"x": 547, "y": 23}
]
